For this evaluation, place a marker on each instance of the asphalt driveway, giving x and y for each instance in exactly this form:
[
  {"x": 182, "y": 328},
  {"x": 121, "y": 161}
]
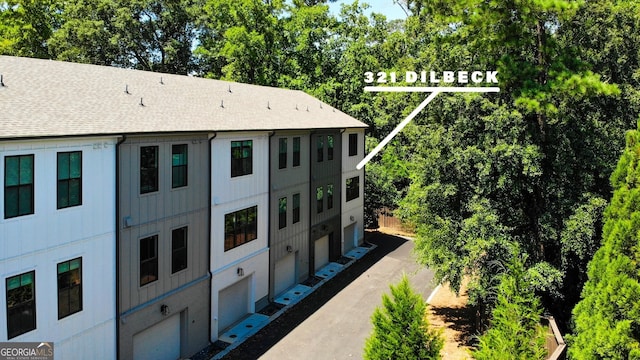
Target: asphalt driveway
[{"x": 334, "y": 321}]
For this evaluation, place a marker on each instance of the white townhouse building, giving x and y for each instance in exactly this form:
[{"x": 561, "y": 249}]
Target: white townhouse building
[{"x": 145, "y": 214}]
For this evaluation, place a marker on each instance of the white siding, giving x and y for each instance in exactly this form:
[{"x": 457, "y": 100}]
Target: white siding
[
  {"x": 352, "y": 211},
  {"x": 232, "y": 194},
  {"x": 49, "y": 236}
]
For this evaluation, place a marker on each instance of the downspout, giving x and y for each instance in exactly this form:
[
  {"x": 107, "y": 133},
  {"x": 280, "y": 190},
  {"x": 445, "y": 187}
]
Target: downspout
[
  {"x": 311, "y": 199},
  {"x": 124, "y": 138},
  {"x": 270, "y": 294},
  {"x": 209, "y": 205}
]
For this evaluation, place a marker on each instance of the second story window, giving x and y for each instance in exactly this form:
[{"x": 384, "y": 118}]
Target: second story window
[
  {"x": 296, "y": 151},
  {"x": 148, "y": 260},
  {"x": 179, "y": 165},
  {"x": 353, "y": 188},
  {"x": 353, "y": 144},
  {"x": 69, "y": 287},
  {"x": 69, "y": 179},
  {"x": 296, "y": 208},
  {"x": 282, "y": 153},
  {"x": 241, "y": 158},
  {"x": 329, "y": 196},
  {"x": 148, "y": 169},
  {"x": 330, "y": 147},
  {"x": 319, "y": 199},
  {"x": 18, "y": 185},
  {"x": 21, "y": 304},
  {"x": 240, "y": 227},
  {"x": 178, "y": 249},
  {"x": 282, "y": 213}
]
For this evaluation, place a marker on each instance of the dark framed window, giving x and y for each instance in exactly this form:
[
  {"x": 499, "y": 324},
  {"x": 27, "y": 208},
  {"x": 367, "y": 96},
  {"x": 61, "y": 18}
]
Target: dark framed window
[
  {"x": 69, "y": 287},
  {"x": 353, "y": 188},
  {"x": 240, "y": 227},
  {"x": 18, "y": 185},
  {"x": 69, "y": 179},
  {"x": 296, "y": 208},
  {"x": 241, "y": 158},
  {"x": 329, "y": 147},
  {"x": 21, "y": 304},
  {"x": 296, "y": 151},
  {"x": 320, "y": 148},
  {"x": 179, "y": 161},
  {"x": 282, "y": 213},
  {"x": 178, "y": 249},
  {"x": 148, "y": 260},
  {"x": 353, "y": 144},
  {"x": 329, "y": 196},
  {"x": 148, "y": 169},
  {"x": 319, "y": 199},
  {"x": 282, "y": 153}
]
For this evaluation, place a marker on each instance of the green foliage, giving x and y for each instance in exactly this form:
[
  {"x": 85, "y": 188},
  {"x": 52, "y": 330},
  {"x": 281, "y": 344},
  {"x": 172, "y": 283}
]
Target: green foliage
[
  {"x": 515, "y": 331},
  {"x": 25, "y": 27},
  {"x": 400, "y": 328},
  {"x": 607, "y": 319}
]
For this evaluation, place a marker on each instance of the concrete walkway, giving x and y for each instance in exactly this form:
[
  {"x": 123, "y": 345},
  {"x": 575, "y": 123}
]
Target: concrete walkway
[{"x": 339, "y": 327}]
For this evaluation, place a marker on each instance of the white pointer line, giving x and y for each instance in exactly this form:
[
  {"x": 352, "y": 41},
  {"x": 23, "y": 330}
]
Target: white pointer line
[
  {"x": 429, "y": 89},
  {"x": 395, "y": 131},
  {"x": 434, "y": 92}
]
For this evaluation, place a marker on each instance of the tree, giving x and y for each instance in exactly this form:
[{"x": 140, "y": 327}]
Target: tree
[
  {"x": 25, "y": 27},
  {"x": 515, "y": 331},
  {"x": 401, "y": 329},
  {"x": 607, "y": 319}
]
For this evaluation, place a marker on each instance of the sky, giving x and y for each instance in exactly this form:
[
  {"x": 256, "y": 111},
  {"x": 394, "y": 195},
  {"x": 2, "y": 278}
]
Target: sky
[{"x": 387, "y": 7}]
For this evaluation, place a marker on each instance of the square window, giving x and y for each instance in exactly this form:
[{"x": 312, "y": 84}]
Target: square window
[
  {"x": 18, "y": 186},
  {"x": 148, "y": 169},
  {"x": 21, "y": 304},
  {"x": 179, "y": 160},
  {"x": 241, "y": 158},
  {"x": 148, "y": 260},
  {"x": 69, "y": 179},
  {"x": 240, "y": 227},
  {"x": 69, "y": 287},
  {"x": 282, "y": 153},
  {"x": 353, "y": 188},
  {"x": 178, "y": 249}
]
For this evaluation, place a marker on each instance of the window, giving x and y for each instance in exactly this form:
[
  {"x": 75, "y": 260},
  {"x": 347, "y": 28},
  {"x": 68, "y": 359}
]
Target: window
[
  {"x": 148, "y": 169},
  {"x": 148, "y": 260},
  {"x": 353, "y": 144},
  {"x": 21, "y": 304},
  {"x": 240, "y": 227},
  {"x": 329, "y": 196},
  {"x": 241, "y": 158},
  {"x": 69, "y": 179},
  {"x": 282, "y": 213},
  {"x": 178, "y": 249},
  {"x": 329, "y": 147},
  {"x": 282, "y": 153},
  {"x": 353, "y": 188},
  {"x": 296, "y": 151},
  {"x": 319, "y": 199},
  {"x": 179, "y": 165},
  {"x": 18, "y": 185},
  {"x": 320, "y": 149},
  {"x": 69, "y": 287},
  {"x": 296, "y": 208}
]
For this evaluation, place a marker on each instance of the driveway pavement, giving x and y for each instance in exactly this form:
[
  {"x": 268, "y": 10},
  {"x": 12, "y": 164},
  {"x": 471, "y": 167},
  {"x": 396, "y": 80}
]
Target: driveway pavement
[{"x": 334, "y": 321}]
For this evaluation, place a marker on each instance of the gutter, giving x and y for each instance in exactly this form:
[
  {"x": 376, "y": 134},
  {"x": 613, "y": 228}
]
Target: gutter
[{"x": 120, "y": 142}]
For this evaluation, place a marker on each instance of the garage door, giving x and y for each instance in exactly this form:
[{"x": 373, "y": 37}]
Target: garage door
[
  {"x": 349, "y": 238},
  {"x": 322, "y": 252},
  {"x": 159, "y": 342},
  {"x": 233, "y": 304},
  {"x": 285, "y": 274}
]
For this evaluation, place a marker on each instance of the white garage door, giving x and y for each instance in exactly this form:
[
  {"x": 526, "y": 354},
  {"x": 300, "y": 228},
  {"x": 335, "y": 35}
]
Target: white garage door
[
  {"x": 349, "y": 238},
  {"x": 233, "y": 304},
  {"x": 285, "y": 274},
  {"x": 322, "y": 252},
  {"x": 159, "y": 342}
]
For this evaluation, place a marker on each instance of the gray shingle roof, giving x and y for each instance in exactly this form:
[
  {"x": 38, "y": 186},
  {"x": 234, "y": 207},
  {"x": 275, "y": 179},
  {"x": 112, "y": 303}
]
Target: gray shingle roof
[{"x": 52, "y": 98}]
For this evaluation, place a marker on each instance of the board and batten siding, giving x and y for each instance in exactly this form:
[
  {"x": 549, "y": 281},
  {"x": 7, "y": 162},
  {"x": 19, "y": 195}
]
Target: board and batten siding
[
  {"x": 158, "y": 213},
  {"x": 353, "y": 210},
  {"x": 285, "y": 183},
  {"x": 50, "y": 236}
]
